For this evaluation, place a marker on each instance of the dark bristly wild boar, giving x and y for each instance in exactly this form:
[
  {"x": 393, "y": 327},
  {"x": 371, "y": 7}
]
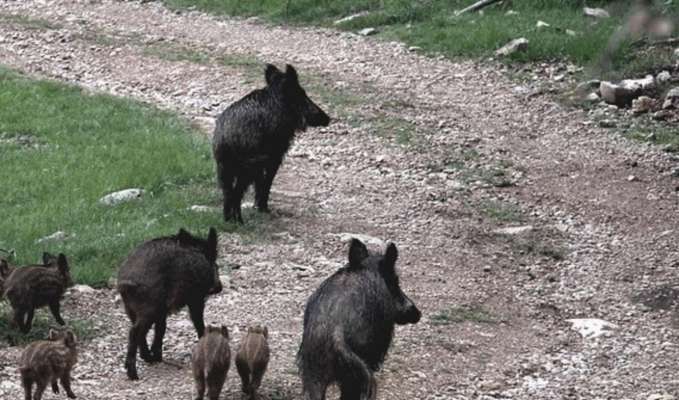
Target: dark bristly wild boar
[
  {"x": 35, "y": 286},
  {"x": 5, "y": 271},
  {"x": 252, "y": 359},
  {"x": 210, "y": 360},
  {"x": 253, "y": 134},
  {"x": 48, "y": 361},
  {"x": 160, "y": 277},
  {"x": 349, "y": 323}
]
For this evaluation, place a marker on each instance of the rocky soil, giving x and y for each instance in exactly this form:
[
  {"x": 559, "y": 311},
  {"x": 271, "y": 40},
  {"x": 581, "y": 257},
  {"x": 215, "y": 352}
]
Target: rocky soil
[{"x": 439, "y": 157}]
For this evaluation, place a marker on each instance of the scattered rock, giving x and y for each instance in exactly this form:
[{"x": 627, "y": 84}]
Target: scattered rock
[
  {"x": 346, "y": 237},
  {"x": 571, "y": 32},
  {"x": 608, "y": 123},
  {"x": 367, "y": 31},
  {"x": 516, "y": 45},
  {"x": 632, "y": 178},
  {"x": 57, "y": 236},
  {"x": 676, "y": 53},
  {"x": 514, "y": 230},
  {"x": 587, "y": 85},
  {"x": 663, "y": 77},
  {"x": 671, "y": 99},
  {"x": 661, "y": 115},
  {"x": 511, "y": 12},
  {"x": 623, "y": 93},
  {"x": 198, "y": 208},
  {"x": 121, "y": 196},
  {"x": 414, "y": 48},
  {"x": 350, "y": 18},
  {"x": 592, "y": 97},
  {"x": 542, "y": 25},
  {"x": 591, "y": 328},
  {"x": 642, "y": 105},
  {"x": 596, "y": 12},
  {"x": 82, "y": 289},
  {"x": 659, "y": 396}
]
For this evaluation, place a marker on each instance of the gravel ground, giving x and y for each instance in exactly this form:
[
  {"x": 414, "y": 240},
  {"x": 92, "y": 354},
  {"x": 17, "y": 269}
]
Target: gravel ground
[{"x": 599, "y": 211}]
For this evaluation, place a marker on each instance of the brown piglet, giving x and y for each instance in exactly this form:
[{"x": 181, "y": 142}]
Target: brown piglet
[
  {"x": 253, "y": 358},
  {"x": 211, "y": 359},
  {"x": 48, "y": 361}
]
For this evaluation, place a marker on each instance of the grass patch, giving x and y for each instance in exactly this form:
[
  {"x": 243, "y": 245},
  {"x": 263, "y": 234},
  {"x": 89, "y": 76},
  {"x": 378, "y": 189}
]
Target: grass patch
[
  {"x": 83, "y": 147},
  {"x": 42, "y": 323},
  {"x": 434, "y": 26},
  {"x": 501, "y": 212},
  {"x": 665, "y": 136},
  {"x": 28, "y": 22},
  {"x": 173, "y": 52},
  {"x": 455, "y": 315}
]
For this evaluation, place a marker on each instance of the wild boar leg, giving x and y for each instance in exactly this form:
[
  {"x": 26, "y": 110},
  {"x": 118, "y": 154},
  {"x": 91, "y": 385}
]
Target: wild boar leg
[
  {"x": 54, "y": 307},
  {"x": 158, "y": 333},
  {"x": 196, "y": 313}
]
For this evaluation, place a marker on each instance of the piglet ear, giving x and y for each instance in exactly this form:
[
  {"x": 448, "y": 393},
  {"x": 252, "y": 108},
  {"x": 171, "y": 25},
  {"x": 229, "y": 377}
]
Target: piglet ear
[
  {"x": 266, "y": 332},
  {"x": 357, "y": 252},
  {"x": 391, "y": 254},
  {"x": 52, "y": 335},
  {"x": 212, "y": 245},
  {"x": 225, "y": 331},
  {"x": 271, "y": 74},
  {"x": 69, "y": 339},
  {"x": 62, "y": 263}
]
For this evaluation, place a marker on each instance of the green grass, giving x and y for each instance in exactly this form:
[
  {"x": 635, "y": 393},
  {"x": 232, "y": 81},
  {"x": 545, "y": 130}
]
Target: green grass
[
  {"x": 43, "y": 321},
  {"x": 434, "y": 26},
  {"x": 62, "y": 149},
  {"x": 462, "y": 314},
  {"x": 501, "y": 212},
  {"x": 28, "y": 22}
]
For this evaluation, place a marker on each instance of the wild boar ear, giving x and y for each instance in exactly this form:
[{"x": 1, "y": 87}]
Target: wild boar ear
[
  {"x": 357, "y": 252},
  {"x": 225, "y": 331},
  {"x": 47, "y": 258},
  {"x": 291, "y": 74},
  {"x": 184, "y": 236},
  {"x": 69, "y": 339},
  {"x": 52, "y": 335},
  {"x": 62, "y": 263},
  {"x": 4, "y": 267},
  {"x": 212, "y": 245},
  {"x": 388, "y": 263},
  {"x": 271, "y": 74}
]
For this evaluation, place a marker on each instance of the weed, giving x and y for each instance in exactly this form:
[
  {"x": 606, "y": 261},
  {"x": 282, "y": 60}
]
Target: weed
[
  {"x": 463, "y": 314},
  {"x": 42, "y": 323}
]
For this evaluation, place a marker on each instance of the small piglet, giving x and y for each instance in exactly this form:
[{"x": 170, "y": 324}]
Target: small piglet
[
  {"x": 211, "y": 359},
  {"x": 253, "y": 358},
  {"x": 162, "y": 276},
  {"x": 48, "y": 361},
  {"x": 35, "y": 286}
]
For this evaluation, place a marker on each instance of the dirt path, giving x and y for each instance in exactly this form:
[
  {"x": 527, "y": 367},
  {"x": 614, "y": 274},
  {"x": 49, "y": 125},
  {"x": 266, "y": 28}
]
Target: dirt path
[{"x": 431, "y": 154}]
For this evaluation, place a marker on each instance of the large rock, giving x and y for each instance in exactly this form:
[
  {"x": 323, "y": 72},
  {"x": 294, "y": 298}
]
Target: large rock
[
  {"x": 596, "y": 12},
  {"x": 516, "y": 45},
  {"x": 350, "y": 18},
  {"x": 367, "y": 31},
  {"x": 121, "y": 196},
  {"x": 622, "y": 93},
  {"x": 591, "y": 328},
  {"x": 642, "y": 105},
  {"x": 672, "y": 99}
]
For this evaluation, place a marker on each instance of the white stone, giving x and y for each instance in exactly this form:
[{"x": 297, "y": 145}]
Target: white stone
[
  {"x": 367, "y": 31},
  {"x": 625, "y": 91},
  {"x": 542, "y": 25},
  {"x": 121, "y": 196},
  {"x": 642, "y": 105},
  {"x": 663, "y": 77},
  {"x": 659, "y": 396},
  {"x": 516, "y": 45},
  {"x": 596, "y": 12},
  {"x": 514, "y": 230},
  {"x": 350, "y": 18},
  {"x": 198, "y": 208},
  {"x": 82, "y": 289},
  {"x": 57, "y": 236},
  {"x": 369, "y": 240},
  {"x": 571, "y": 32},
  {"x": 591, "y": 328}
]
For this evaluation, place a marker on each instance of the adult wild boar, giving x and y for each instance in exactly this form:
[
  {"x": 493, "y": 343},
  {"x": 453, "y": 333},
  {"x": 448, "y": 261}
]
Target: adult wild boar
[
  {"x": 162, "y": 276},
  {"x": 349, "y": 323},
  {"x": 253, "y": 134}
]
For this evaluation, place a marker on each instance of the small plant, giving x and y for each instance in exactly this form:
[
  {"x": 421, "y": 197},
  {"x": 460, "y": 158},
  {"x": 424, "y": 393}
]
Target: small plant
[{"x": 42, "y": 324}]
